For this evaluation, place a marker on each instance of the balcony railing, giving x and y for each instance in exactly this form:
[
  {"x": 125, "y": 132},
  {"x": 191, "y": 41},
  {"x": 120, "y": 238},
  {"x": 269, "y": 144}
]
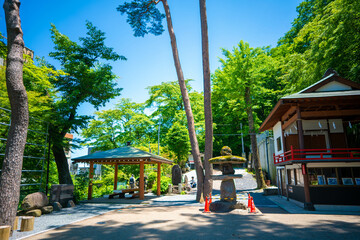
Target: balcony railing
[{"x": 329, "y": 154}]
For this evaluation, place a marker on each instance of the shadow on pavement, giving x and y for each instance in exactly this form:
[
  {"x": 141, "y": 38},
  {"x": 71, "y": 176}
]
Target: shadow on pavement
[{"x": 190, "y": 225}]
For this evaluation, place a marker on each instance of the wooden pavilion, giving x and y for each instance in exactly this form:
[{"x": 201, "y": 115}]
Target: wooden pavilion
[{"x": 124, "y": 156}]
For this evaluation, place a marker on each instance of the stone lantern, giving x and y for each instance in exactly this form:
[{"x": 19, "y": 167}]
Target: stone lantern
[{"x": 227, "y": 189}]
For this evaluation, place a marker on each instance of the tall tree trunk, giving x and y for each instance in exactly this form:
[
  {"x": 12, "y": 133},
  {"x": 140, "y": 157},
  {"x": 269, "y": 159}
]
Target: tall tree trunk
[
  {"x": 11, "y": 170},
  {"x": 207, "y": 100},
  {"x": 60, "y": 157},
  {"x": 186, "y": 100},
  {"x": 257, "y": 165}
]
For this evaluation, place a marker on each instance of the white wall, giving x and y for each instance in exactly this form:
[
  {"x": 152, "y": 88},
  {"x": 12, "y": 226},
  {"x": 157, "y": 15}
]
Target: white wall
[
  {"x": 278, "y": 134},
  {"x": 333, "y": 86}
]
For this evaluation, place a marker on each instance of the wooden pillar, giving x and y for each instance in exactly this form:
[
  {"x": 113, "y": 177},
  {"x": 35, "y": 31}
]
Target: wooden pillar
[
  {"x": 141, "y": 185},
  {"x": 91, "y": 175},
  {"x": 300, "y": 128},
  {"x": 158, "y": 179},
  {"x": 307, "y": 204},
  {"x": 116, "y": 176},
  {"x": 283, "y": 137}
]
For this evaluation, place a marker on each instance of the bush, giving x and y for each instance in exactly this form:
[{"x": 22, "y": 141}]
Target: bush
[
  {"x": 164, "y": 186},
  {"x": 151, "y": 180}
]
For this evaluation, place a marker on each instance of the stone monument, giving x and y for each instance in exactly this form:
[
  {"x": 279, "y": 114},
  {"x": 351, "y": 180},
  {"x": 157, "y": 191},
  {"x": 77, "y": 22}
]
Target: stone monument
[{"x": 227, "y": 189}]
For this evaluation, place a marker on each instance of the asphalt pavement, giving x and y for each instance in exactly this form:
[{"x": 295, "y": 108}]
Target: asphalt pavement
[{"x": 172, "y": 216}]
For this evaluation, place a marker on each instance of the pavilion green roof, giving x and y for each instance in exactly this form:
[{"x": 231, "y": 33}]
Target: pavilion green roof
[{"x": 122, "y": 155}]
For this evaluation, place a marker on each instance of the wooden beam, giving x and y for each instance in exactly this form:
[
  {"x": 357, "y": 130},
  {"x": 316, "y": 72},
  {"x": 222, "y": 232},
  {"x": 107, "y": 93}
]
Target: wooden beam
[
  {"x": 289, "y": 112},
  {"x": 141, "y": 184},
  {"x": 289, "y": 122},
  {"x": 158, "y": 178},
  {"x": 329, "y": 113},
  {"x": 116, "y": 176},
  {"x": 91, "y": 172}
]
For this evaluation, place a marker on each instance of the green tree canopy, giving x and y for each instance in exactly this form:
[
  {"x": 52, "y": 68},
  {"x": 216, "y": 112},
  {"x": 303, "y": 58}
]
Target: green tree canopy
[
  {"x": 86, "y": 80},
  {"x": 178, "y": 141},
  {"x": 113, "y": 128}
]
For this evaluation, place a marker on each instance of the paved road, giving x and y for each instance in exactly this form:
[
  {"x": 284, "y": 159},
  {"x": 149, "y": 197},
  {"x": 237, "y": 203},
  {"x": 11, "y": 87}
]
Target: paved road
[
  {"x": 188, "y": 222},
  {"x": 181, "y": 217}
]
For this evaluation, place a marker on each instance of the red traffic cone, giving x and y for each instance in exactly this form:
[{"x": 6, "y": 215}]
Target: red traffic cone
[
  {"x": 252, "y": 209},
  {"x": 206, "y": 208},
  {"x": 210, "y": 200},
  {"x": 249, "y": 201}
]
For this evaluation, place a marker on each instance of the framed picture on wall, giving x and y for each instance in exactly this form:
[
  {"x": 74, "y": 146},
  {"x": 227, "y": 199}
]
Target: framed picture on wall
[
  {"x": 332, "y": 181},
  {"x": 321, "y": 179},
  {"x": 357, "y": 181},
  {"x": 347, "y": 181}
]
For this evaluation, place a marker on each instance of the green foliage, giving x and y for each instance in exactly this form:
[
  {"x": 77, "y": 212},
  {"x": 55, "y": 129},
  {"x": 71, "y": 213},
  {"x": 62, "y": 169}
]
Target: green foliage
[
  {"x": 81, "y": 183},
  {"x": 86, "y": 79},
  {"x": 167, "y": 104},
  {"x": 151, "y": 179},
  {"x": 164, "y": 185},
  {"x": 143, "y": 17},
  {"x": 307, "y": 11},
  {"x": 178, "y": 141},
  {"x": 244, "y": 70},
  {"x": 330, "y": 39},
  {"x": 113, "y": 128}
]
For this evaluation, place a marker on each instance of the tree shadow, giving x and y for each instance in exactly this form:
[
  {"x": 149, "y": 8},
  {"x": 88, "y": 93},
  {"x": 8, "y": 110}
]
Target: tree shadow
[{"x": 195, "y": 225}]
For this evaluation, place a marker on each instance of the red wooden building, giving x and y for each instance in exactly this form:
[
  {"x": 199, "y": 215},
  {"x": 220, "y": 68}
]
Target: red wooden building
[{"x": 317, "y": 142}]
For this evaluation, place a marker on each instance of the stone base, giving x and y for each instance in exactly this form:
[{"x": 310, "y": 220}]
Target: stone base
[
  {"x": 223, "y": 206},
  {"x": 228, "y": 191}
]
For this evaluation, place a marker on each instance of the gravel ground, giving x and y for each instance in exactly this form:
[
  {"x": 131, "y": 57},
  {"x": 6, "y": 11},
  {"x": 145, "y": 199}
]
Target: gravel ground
[{"x": 66, "y": 216}]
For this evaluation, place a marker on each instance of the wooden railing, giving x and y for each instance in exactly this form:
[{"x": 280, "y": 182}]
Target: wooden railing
[{"x": 333, "y": 154}]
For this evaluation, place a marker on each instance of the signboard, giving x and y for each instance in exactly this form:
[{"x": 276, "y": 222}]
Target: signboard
[{"x": 332, "y": 181}]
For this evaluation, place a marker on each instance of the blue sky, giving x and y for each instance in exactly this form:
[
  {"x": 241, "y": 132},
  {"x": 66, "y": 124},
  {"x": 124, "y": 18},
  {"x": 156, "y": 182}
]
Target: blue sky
[{"x": 150, "y": 62}]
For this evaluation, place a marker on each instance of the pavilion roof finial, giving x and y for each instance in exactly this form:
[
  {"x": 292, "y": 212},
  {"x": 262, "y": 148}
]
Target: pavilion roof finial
[{"x": 330, "y": 71}]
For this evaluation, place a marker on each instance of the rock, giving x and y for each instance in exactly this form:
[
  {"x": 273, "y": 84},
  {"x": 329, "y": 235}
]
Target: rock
[
  {"x": 176, "y": 175},
  {"x": 221, "y": 206},
  {"x": 57, "y": 206},
  {"x": 170, "y": 189},
  {"x": 70, "y": 203},
  {"x": 228, "y": 191},
  {"x": 47, "y": 209},
  {"x": 34, "y": 201},
  {"x": 186, "y": 180},
  {"x": 239, "y": 205},
  {"x": 61, "y": 193},
  {"x": 34, "y": 213}
]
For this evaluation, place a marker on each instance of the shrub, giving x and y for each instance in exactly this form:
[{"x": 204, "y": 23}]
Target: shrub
[
  {"x": 164, "y": 186},
  {"x": 151, "y": 179}
]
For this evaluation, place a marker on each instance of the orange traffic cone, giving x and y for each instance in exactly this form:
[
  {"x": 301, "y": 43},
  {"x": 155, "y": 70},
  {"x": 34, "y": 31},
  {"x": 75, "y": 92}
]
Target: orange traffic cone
[
  {"x": 252, "y": 209},
  {"x": 249, "y": 201},
  {"x": 210, "y": 199},
  {"x": 206, "y": 208}
]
